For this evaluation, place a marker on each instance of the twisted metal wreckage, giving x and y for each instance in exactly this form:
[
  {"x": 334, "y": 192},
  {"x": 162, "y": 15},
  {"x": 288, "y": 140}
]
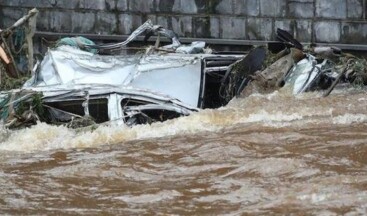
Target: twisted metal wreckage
[{"x": 76, "y": 86}]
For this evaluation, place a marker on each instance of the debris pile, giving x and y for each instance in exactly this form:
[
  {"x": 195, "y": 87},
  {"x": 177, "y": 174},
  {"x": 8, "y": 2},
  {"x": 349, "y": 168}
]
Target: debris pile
[
  {"x": 288, "y": 63},
  {"x": 76, "y": 86},
  {"x": 16, "y": 51}
]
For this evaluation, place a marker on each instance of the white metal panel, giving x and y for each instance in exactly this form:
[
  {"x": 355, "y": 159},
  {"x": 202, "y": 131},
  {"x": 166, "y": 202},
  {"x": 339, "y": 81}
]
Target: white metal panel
[
  {"x": 177, "y": 76},
  {"x": 73, "y": 66},
  {"x": 181, "y": 82}
]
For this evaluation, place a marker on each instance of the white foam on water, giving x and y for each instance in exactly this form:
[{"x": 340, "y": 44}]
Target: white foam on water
[
  {"x": 349, "y": 118},
  {"x": 150, "y": 198},
  {"x": 265, "y": 116},
  {"x": 36, "y": 137},
  {"x": 46, "y": 137},
  {"x": 314, "y": 198},
  {"x": 274, "y": 110}
]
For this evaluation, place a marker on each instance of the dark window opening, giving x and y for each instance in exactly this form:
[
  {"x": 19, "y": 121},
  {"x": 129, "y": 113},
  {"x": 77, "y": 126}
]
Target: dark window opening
[
  {"x": 211, "y": 97},
  {"x": 146, "y": 116},
  {"x": 98, "y": 110},
  {"x": 161, "y": 115},
  {"x": 150, "y": 116},
  {"x": 215, "y": 70}
]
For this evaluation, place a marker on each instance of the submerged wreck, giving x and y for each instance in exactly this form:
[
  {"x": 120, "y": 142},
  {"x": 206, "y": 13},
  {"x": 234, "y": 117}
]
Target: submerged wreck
[{"x": 77, "y": 85}]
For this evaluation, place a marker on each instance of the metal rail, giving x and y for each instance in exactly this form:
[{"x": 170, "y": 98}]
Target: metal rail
[{"x": 225, "y": 42}]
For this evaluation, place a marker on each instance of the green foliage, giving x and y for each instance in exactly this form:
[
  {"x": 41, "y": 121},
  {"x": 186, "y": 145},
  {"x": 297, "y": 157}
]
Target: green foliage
[
  {"x": 34, "y": 103},
  {"x": 8, "y": 83}
]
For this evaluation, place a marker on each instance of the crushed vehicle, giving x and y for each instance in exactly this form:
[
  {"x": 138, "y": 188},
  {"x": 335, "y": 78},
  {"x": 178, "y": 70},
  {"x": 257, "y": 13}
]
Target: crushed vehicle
[
  {"x": 74, "y": 84},
  {"x": 77, "y": 85}
]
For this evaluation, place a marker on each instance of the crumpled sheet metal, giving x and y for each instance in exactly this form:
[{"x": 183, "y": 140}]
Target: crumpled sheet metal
[
  {"x": 64, "y": 92},
  {"x": 303, "y": 75},
  {"x": 114, "y": 95},
  {"x": 178, "y": 76}
]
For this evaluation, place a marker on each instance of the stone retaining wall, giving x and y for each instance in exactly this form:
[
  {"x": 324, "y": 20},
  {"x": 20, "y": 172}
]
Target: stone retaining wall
[{"x": 333, "y": 21}]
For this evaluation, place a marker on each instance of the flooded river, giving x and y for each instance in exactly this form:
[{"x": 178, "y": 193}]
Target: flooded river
[{"x": 265, "y": 154}]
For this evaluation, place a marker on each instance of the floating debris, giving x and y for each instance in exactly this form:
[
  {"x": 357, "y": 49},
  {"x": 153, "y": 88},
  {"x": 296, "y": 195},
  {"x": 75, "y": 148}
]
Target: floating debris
[{"x": 76, "y": 86}]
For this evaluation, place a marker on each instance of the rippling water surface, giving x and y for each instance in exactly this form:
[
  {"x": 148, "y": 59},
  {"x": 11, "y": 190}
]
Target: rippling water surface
[{"x": 265, "y": 154}]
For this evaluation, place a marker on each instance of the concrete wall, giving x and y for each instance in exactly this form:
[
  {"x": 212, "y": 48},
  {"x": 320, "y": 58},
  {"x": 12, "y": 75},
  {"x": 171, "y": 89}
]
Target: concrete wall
[{"x": 335, "y": 21}]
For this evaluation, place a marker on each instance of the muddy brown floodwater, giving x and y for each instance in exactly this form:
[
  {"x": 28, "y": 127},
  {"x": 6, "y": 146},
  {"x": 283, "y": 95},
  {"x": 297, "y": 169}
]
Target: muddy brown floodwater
[{"x": 262, "y": 155}]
